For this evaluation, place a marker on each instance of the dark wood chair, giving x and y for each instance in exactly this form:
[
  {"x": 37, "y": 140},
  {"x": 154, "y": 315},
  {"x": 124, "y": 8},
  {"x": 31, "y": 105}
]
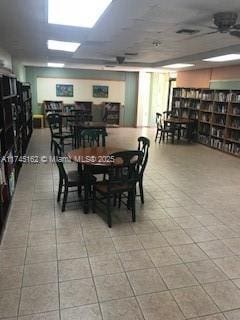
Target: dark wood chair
[
  {"x": 71, "y": 179},
  {"x": 143, "y": 145},
  {"x": 163, "y": 129},
  {"x": 56, "y": 130},
  {"x": 123, "y": 175}
]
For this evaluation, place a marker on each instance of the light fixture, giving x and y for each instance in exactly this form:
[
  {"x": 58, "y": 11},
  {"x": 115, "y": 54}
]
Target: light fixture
[
  {"x": 55, "y": 65},
  {"x": 179, "y": 65},
  {"x": 77, "y": 13},
  {"x": 63, "y": 46},
  {"x": 226, "y": 57}
]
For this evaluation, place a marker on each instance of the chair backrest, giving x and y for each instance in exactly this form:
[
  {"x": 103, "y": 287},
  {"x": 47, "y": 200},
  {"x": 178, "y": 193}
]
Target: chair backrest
[
  {"x": 55, "y": 122},
  {"x": 159, "y": 120},
  {"x": 59, "y": 160},
  {"x": 167, "y": 114},
  {"x": 124, "y": 170},
  {"x": 143, "y": 145},
  {"x": 90, "y": 137}
]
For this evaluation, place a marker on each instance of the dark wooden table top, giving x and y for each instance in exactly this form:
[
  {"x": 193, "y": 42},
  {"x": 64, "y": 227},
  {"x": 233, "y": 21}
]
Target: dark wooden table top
[
  {"x": 94, "y": 155},
  {"x": 90, "y": 124}
]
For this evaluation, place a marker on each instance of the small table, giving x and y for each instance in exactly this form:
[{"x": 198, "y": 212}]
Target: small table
[
  {"x": 79, "y": 126},
  {"x": 95, "y": 156},
  {"x": 177, "y": 123}
]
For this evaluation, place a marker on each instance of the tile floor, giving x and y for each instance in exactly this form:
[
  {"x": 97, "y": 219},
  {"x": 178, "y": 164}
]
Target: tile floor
[{"x": 180, "y": 260}]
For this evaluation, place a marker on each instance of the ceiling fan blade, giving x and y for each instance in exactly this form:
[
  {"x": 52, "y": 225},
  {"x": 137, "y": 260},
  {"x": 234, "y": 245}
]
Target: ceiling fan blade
[
  {"x": 201, "y": 35},
  {"x": 235, "y": 33}
]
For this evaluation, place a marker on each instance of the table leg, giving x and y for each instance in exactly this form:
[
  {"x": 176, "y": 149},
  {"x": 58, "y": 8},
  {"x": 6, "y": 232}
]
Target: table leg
[{"x": 104, "y": 138}]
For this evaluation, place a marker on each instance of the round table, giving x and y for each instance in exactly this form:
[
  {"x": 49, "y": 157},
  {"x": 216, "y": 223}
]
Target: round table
[
  {"x": 94, "y": 156},
  {"x": 97, "y": 156}
]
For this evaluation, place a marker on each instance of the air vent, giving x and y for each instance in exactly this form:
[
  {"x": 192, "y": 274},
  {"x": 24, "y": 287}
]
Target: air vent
[
  {"x": 187, "y": 31},
  {"x": 110, "y": 66}
]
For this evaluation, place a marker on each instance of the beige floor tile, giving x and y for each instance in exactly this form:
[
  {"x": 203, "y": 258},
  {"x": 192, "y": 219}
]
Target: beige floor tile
[
  {"x": 77, "y": 293},
  {"x": 42, "y": 238},
  {"x": 166, "y": 224},
  {"x": 230, "y": 266},
  {"x": 14, "y": 240},
  {"x": 215, "y": 249},
  {"x": 39, "y": 299},
  {"x": 41, "y": 254},
  {"x": 40, "y": 273},
  {"x": 11, "y": 277},
  {"x": 218, "y": 316},
  {"x": 9, "y": 301},
  {"x": 163, "y": 256},
  {"x": 12, "y": 257},
  {"x": 134, "y": 260},
  {"x": 71, "y": 250},
  {"x": 127, "y": 243},
  {"x": 144, "y": 227},
  {"x": 190, "y": 253},
  {"x": 194, "y": 302},
  {"x": 124, "y": 309},
  {"x": 53, "y": 315},
  {"x": 123, "y": 229},
  {"x": 146, "y": 281},
  {"x": 177, "y": 212},
  {"x": 177, "y": 276},
  {"x": 225, "y": 294},
  {"x": 233, "y": 245},
  {"x": 152, "y": 240},
  {"x": 107, "y": 264},
  {"x": 90, "y": 312},
  {"x": 222, "y": 232},
  {"x": 101, "y": 246},
  {"x": 206, "y": 271},
  {"x": 74, "y": 269},
  {"x": 208, "y": 220},
  {"x": 177, "y": 237},
  {"x": 159, "y": 306},
  {"x": 110, "y": 287},
  {"x": 188, "y": 222},
  {"x": 66, "y": 235},
  {"x": 232, "y": 315},
  {"x": 200, "y": 234}
]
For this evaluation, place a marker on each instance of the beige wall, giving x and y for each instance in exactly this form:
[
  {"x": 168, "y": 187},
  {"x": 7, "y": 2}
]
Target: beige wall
[
  {"x": 201, "y": 78},
  {"x": 46, "y": 90}
]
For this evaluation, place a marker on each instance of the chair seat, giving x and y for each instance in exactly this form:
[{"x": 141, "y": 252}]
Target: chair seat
[
  {"x": 102, "y": 187},
  {"x": 63, "y": 135},
  {"x": 80, "y": 179}
]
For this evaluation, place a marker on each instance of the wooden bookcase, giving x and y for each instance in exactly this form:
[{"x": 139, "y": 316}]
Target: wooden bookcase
[
  {"x": 112, "y": 113},
  {"x": 217, "y": 113},
  {"x": 86, "y": 109},
  {"x": 12, "y": 142}
]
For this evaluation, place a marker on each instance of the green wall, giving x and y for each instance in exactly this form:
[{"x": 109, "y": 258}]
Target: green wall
[
  {"x": 130, "y": 78},
  {"x": 225, "y": 84}
]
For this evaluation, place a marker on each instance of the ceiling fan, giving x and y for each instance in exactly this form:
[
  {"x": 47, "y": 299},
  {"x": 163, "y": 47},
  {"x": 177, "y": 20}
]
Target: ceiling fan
[{"x": 225, "y": 22}]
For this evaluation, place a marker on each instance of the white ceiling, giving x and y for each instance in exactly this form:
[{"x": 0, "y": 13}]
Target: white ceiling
[{"x": 127, "y": 26}]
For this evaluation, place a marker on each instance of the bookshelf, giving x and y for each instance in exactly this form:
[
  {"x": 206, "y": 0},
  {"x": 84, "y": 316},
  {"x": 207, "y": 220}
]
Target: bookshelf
[
  {"x": 85, "y": 107},
  {"x": 217, "y": 113},
  {"x": 13, "y": 112},
  {"x": 112, "y": 113}
]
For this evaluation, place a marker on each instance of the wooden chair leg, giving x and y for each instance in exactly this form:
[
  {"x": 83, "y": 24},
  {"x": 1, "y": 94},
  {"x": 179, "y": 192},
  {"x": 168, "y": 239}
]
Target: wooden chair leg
[
  {"x": 119, "y": 200},
  {"x": 94, "y": 200},
  {"x": 133, "y": 196},
  {"x": 65, "y": 196},
  {"x": 141, "y": 190},
  {"x": 156, "y": 136},
  {"x": 59, "y": 189},
  {"x": 109, "y": 217}
]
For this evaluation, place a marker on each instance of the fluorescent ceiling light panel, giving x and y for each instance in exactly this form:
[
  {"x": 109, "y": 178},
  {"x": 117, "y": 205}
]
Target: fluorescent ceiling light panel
[
  {"x": 77, "y": 13},
  {"x": 63, "y": 46},
  {"x": 226, "y": 57},
  {"x": 55, "y": 65},
  {"x": 179, "y": 65}
]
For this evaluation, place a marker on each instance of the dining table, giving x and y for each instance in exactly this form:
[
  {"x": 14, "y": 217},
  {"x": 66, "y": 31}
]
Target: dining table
[
  {"x": 178, "y": 124},
  {"x": 93, "y": 157},
  {"x": 78, "y": 127}
]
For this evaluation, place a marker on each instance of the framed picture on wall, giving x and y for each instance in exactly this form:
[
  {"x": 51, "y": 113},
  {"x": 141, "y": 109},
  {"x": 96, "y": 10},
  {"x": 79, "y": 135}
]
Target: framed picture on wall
[
  {"x": 100, "y": 91},
  {"x": 64, "y": 90}
]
